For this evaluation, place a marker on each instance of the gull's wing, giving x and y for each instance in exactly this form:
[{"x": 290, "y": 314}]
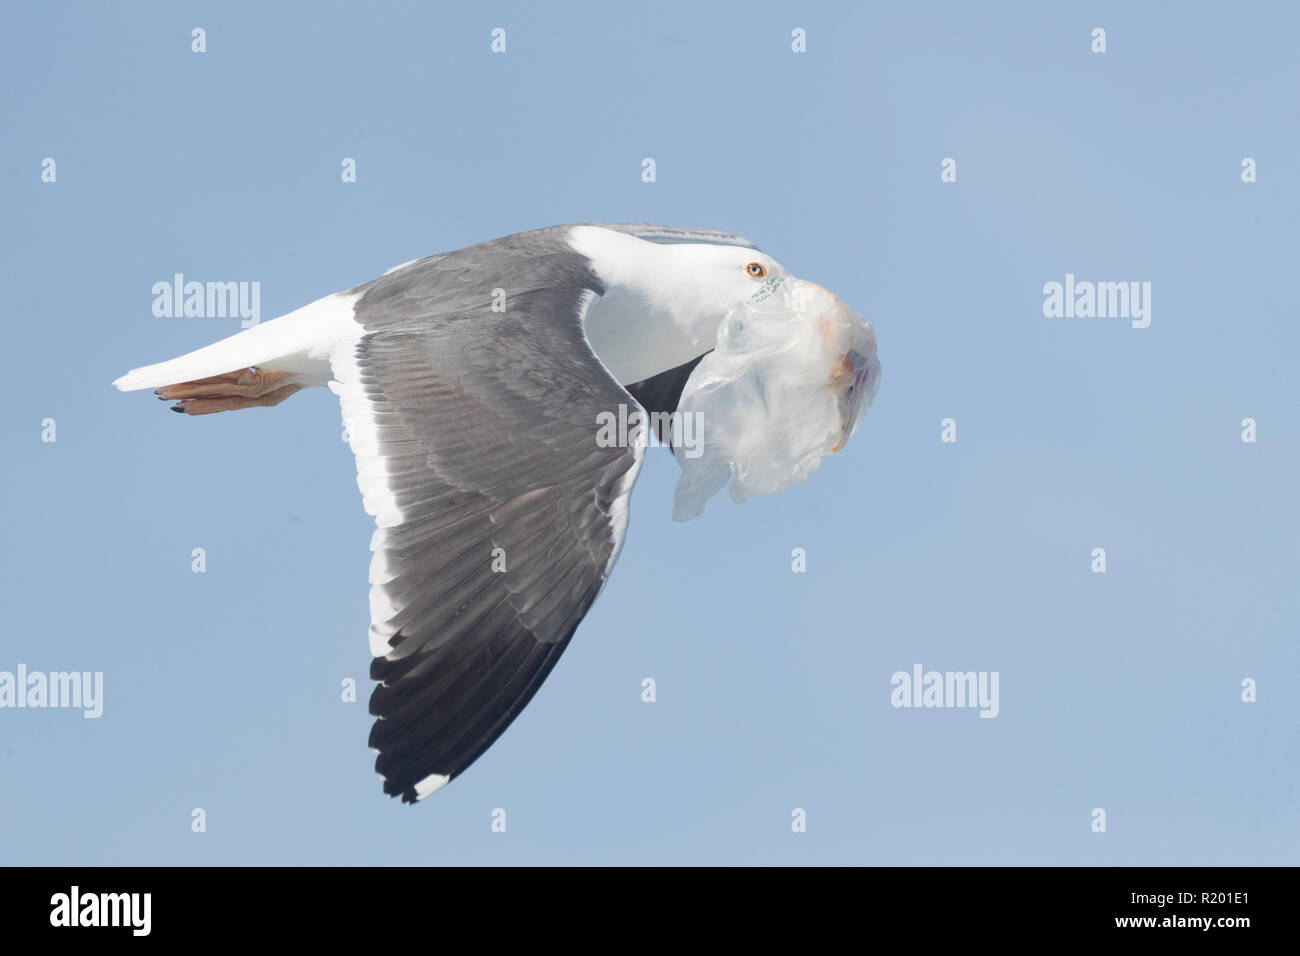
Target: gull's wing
[
  {"x": 674, "y": 234},
  {"x": 475, "y": 437}
]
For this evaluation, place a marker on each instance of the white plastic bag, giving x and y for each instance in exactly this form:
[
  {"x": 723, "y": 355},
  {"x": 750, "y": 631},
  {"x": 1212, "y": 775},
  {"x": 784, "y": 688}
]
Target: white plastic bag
[{"x": 793, "y": 372}]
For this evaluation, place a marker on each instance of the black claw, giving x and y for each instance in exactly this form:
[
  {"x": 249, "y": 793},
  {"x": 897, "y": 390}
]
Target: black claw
[{"x": 178, "y": 408}]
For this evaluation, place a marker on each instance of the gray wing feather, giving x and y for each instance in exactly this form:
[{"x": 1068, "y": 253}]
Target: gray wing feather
[
  {"x": 487, "y": 424},
  {"x": 674, "y": 234}
]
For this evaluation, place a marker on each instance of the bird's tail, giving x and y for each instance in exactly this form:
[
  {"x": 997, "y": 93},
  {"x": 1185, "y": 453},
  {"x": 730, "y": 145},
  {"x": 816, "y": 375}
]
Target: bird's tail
[
  {"x": 251, "y": 347},
  {"x": 258, "y": 366}
]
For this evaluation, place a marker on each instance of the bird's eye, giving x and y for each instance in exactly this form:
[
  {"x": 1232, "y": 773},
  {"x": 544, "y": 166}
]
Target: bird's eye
[{"x": 756, "y": 270}]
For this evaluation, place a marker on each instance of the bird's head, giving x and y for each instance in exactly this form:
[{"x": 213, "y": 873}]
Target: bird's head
[
  {"x": 789, "y": 372},
  {"x": 793, "y": 372},
  {"x": 730, "y": 288}
]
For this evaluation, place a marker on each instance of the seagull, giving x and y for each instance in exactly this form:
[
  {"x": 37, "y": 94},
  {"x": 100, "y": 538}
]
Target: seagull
[{"x": 472, "y": 386}]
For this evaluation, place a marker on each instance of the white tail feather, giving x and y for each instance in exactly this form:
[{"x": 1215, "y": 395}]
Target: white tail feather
[{"x": 297, "y": 342}]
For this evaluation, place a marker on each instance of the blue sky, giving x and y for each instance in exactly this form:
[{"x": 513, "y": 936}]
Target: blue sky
[{"x": 1119, "y": 691}]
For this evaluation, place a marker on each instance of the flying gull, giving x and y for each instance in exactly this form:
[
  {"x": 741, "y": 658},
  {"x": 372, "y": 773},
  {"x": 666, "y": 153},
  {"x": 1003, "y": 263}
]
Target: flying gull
[{"x": 477, "y": 387}]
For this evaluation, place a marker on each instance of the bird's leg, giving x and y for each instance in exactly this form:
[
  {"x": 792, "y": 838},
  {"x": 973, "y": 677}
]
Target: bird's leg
[
  {"x": 247, "y": 382},
  {"x": 246, "y": 388},
  {"x": 230, "y": 403}
]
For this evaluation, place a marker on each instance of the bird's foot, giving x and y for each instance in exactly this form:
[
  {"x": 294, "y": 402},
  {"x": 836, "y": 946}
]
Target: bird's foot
[
  {"x": 247, "y": 388},
  {"x": 230, "y": 403}
]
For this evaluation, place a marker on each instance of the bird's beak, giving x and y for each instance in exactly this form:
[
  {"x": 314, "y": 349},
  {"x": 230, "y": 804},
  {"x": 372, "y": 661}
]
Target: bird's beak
[
  {"x": 851, "y": 377},
  {"x": 850, "y": 342}
]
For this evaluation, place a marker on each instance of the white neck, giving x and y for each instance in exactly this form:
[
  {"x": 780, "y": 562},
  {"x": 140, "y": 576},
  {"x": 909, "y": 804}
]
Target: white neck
[{"x": 650, "y": 318}]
